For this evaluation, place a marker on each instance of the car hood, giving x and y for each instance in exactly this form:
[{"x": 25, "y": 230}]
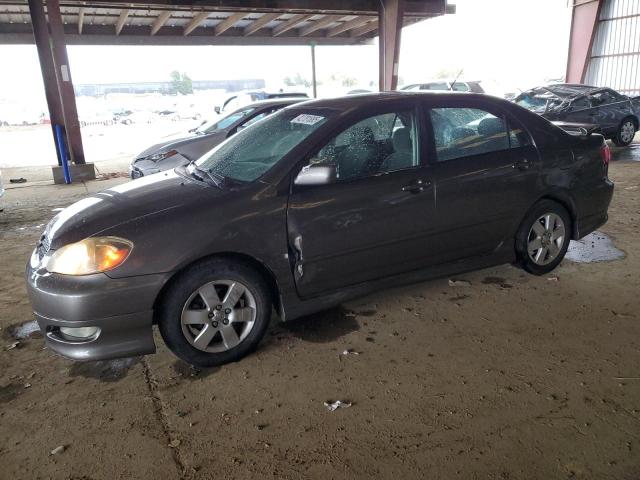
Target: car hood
[
  {"x": 181, "y": 143},
  {"x": 126, "y": 203}
]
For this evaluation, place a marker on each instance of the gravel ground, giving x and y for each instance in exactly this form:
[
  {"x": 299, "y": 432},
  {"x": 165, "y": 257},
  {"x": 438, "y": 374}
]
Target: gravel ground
[{"x": 512, "y": 377}]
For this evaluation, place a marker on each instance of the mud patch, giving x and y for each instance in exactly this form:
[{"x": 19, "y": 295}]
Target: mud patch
[
  {"x": 190, "y": 372},
  {"x": 595, "y": 247},
  {"x": 324, "y": 327},
  {"x": 105, "y": 371},
  {"x": 501, "y": 282},
  {"x": 9, "y": 392}
]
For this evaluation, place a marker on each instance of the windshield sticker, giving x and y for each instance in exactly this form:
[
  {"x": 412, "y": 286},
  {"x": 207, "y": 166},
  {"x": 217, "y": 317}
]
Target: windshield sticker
[{"x": 306, "y": 119}]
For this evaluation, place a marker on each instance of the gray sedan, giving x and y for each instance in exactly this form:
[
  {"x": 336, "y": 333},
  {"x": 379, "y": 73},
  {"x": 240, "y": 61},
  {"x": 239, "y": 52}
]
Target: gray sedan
[
  {"x": 178, "y": 151},
  {"x": 319, "y": 203}
]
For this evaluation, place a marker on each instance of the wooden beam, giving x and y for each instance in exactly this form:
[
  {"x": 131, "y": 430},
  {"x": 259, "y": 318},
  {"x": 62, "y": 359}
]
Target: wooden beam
[
  {"x": 160, "y": 21},
  {"x": 363, "y": 30},
  {"x": 290, "y": 23},
  {"x": 390, "y": 17},
  {"x": 80, "y": 20},
  {"x": 228, "y": 22},
  {"x": 259, "y": 23},
  {"x": 319, "y": 24},
  {"x": 346, "y": 26},
  {"x": 122, "y": 19},
  {"x": 195, "y": 22}
]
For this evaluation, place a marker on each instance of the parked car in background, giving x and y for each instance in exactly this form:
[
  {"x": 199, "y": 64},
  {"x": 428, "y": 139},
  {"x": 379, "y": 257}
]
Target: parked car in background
[
  {"x": 316, "y": 204},
  {"x": 1, "y": 186},
  {"x": 180, "y": 150},
  {"x": 616, "y": 115},
  {"x": 446, "y": 85},
  {"x": 241, "y": 99},
  {"x": 138, "y": 117}
]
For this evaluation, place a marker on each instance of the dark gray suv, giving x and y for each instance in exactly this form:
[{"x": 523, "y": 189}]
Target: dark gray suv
[{"x": 318, "y": 203}]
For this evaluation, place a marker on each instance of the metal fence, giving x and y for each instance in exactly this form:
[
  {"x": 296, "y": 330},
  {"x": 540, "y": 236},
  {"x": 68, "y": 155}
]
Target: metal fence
[{"x": 615, "y": 53}]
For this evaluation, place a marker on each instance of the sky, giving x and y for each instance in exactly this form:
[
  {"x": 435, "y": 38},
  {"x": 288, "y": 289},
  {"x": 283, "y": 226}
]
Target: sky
[{"x": 508, "y": 44}]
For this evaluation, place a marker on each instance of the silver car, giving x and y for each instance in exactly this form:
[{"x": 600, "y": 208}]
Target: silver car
[{"x": 178, "y": 151}]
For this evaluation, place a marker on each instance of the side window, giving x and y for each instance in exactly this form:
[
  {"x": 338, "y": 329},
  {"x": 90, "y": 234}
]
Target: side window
[
  {"x": 378, "y": 144},
  {"x": 253, "y": 120},
  {"x": 604, "y": 97},
  {"x": 462, "y": 132},
  {"x": 518, "y": 136},
  {"x": 460, "y": 87},
  {"x": 580, "y": 104}
]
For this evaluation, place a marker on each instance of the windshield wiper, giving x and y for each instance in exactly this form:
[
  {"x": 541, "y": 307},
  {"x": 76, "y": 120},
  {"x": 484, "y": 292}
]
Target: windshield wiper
[{"x": 216, "y": 179}]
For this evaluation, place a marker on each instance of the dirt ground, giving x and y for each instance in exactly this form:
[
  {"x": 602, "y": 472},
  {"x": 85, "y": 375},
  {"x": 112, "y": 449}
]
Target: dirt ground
[{"x": 512, "y": 377}]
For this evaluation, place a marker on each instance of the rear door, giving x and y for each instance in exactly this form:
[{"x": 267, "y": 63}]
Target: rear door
[
  {"x": 610, "y": 109},
  {"x": 376, "y": 218},
  {"x": 485, "y": 174}
]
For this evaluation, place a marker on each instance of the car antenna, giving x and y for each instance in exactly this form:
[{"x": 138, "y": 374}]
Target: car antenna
[{"x": 456, "y": 79}]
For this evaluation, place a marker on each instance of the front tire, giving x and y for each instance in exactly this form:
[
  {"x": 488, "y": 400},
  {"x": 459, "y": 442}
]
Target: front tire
[
  {"x": 215, "y": 312},
  {"x": 543, "y": 238},
  {"x": 626, "y": 133}
]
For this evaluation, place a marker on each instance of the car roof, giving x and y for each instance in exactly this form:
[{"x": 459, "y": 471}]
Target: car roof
[
  {"x": 349, "y": 102},
  {"x": 567, "y": 90},
  {"x": 273, "y": 102}
]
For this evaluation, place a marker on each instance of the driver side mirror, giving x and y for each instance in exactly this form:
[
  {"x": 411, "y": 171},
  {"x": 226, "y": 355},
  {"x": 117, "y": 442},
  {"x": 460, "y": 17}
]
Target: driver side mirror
[
  {"x": 217, "y": 109},
  {"x": 316, "y": 175}
]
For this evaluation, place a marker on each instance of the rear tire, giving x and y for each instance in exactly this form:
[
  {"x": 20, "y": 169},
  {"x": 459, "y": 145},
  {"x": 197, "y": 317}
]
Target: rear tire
[
  {"x": 626, "y": 133},
  {"x": 543, "y": 237},
  {"x": 215, "y": 312}
]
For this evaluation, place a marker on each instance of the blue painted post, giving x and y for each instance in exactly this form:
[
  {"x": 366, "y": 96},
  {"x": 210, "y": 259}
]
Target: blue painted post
[{"x": 63, "y": 154}]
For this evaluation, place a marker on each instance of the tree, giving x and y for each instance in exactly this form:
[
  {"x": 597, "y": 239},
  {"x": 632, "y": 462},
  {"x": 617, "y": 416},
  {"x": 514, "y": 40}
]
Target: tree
[{"x": 181, "y": 83}]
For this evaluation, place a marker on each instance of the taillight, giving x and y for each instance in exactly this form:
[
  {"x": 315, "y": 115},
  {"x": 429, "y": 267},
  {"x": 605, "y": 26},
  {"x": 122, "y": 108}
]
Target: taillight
[{"x": 605, "y": 153}]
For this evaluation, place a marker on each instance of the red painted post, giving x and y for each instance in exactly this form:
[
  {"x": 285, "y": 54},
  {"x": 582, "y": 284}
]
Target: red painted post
[{"x": 584, "y": 20}]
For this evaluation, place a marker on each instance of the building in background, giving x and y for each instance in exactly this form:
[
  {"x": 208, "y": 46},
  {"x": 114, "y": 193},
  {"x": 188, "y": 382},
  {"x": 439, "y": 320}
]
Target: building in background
[{"x": 604, "y": 48}]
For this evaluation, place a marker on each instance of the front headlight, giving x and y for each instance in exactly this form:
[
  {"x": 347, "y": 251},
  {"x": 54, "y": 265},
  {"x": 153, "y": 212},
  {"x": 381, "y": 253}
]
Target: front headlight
[{"x": 91, "y": 255}]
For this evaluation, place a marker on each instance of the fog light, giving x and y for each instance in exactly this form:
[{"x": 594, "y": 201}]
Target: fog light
[{"x": 79, "y": 332}]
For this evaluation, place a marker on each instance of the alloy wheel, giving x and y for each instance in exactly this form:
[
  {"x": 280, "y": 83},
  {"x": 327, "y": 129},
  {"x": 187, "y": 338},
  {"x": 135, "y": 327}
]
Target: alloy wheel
[
  {"x": 627, "y": 131},
  {"x": 218, "y": 316},
  {"x": 546, "y": 239}
]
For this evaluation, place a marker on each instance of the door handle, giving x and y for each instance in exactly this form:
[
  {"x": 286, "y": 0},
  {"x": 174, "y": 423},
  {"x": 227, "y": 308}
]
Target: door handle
[
  {"x": 523, "y": 164},
  {"x": 416, "y": 186}
]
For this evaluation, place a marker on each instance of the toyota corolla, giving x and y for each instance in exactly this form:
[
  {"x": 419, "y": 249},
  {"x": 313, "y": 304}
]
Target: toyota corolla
[{"x": 316, "y": 204}]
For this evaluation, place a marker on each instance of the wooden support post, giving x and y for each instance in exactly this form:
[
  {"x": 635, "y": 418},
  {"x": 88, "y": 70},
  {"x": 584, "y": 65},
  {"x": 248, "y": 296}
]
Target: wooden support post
[
  {"x": 65, "y": 85},
  {"x": 41, "y": 36},
  {"x": 390, "y": 16}
]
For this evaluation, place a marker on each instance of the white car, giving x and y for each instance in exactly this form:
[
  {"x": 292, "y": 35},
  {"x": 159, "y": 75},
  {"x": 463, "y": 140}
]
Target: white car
[{"x": 1, "y": 186}]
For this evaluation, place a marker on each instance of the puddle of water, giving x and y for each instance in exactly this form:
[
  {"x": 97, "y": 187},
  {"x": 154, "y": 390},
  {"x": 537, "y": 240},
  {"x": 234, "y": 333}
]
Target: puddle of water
[
  {"x": 105, "y": 371},
  {"x": 325, "y": 326},
  {"x": 595, "y": 247},
  {"x": 25, "y": 330}
]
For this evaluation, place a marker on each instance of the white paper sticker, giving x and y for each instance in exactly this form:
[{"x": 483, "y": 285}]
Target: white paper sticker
[
  {"x": 306, "y": 119},
  {"x": 64, "y": 72}
]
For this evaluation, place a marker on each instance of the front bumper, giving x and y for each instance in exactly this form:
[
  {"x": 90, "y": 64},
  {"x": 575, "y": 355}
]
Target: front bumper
[{"x": 121, "y": 309}]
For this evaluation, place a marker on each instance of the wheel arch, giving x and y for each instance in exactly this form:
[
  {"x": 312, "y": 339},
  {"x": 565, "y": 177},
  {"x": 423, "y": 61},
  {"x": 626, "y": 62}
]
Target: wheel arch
[
  {"x": 635, "y": 120},
  {"x": 260, "y": 267},
  {"x": 566, "y": 200}
]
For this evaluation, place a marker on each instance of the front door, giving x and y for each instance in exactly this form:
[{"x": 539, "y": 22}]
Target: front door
[{"x": 375, "y": 219}]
